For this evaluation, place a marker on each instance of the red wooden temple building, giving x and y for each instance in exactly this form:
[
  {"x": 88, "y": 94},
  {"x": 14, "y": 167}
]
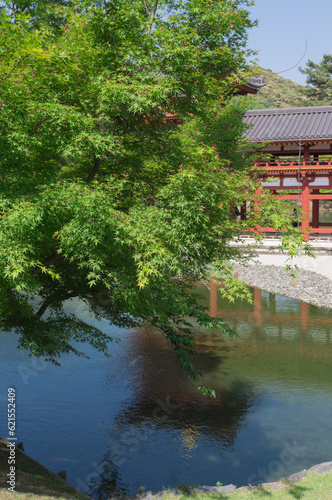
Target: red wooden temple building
[
  {"x": 296, "y": 156},
  {"x": 250, "y": 87}
]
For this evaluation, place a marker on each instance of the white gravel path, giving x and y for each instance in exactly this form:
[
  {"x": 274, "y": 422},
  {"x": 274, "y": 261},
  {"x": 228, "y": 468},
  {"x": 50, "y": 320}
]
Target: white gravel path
[{"x": 308, "y": 286}]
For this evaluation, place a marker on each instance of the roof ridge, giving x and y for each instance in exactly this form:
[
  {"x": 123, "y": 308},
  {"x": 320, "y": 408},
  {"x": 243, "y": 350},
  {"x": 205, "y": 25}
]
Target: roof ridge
[{"x": 298, "y": 110}]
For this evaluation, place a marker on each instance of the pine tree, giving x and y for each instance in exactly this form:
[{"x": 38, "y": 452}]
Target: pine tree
[{"x": 319, "y": 83}]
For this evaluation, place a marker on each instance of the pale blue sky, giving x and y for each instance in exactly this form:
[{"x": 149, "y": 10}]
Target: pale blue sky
[{"x": 283, "y": 27}]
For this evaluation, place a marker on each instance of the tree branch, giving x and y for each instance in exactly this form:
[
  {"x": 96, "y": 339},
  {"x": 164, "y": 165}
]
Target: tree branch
[
  {"x": 15, "y": 66},
  {"x": 147, "y": 11},
  {"x": 153, "y": 14},
  {"x": 48, "y": 302},
  {"x": 48, "y": 262},
  {"x": 42, "y": 308},
  {"x": 96, "y": 164}
]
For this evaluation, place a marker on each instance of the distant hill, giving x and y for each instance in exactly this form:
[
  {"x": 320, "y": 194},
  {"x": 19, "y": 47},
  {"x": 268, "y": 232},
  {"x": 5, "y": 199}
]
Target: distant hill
[{"x": 278, "y": 92}]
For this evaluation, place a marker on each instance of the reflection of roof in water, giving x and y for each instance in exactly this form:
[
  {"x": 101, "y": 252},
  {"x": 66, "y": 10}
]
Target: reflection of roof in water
[{"x": 215, "y": 418}]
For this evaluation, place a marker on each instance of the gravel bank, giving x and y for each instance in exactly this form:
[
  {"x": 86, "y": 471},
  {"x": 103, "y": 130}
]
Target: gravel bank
[{"x": 308, "y": 286}]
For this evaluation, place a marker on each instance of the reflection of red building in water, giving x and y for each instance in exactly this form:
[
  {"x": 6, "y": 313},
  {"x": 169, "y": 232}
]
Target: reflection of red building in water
[
  {"x": 295, "y": 153},
  {"x": 268, "y": 316}
]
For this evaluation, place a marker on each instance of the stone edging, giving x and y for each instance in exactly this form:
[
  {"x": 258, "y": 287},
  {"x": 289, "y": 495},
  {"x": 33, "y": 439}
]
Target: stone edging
[{"x": 142, "y": 494}]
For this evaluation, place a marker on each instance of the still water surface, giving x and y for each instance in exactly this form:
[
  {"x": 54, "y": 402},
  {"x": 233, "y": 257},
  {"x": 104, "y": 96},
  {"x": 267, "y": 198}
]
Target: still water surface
[{"x": 136, "y": 420}]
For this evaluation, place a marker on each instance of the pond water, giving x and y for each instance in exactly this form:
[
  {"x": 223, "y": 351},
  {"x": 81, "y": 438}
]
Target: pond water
[
  {"x": 325, "y": 216},
  {"x": 136, "y": 420}
]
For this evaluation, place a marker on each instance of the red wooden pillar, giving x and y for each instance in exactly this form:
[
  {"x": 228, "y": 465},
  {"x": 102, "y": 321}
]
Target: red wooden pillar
[
  {"x": 304, "y": 316},
  {"x": 306, "y": 153},
  {"x": 315, "y": 210},
  {"x": 257, "y": 306},
  {"x": 305, "y": 201}
]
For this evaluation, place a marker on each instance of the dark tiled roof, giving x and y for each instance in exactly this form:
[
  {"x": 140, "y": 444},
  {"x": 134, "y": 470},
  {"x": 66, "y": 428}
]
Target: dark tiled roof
[
  {"x": 251, "y": 86},
  {"x": 256, "y": 83},
  {"x": 289, "y": 124}
]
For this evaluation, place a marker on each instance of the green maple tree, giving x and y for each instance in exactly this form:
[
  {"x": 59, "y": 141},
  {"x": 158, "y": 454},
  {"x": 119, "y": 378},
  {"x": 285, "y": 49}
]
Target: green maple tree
[{"x": 103, "y": 199}]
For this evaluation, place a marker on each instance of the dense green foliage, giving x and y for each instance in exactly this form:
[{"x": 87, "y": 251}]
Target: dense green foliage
[
  {"x": 101, "y": 198},
  {"x": 318, "y": 91},
  {"x": 278, "y": 92}
]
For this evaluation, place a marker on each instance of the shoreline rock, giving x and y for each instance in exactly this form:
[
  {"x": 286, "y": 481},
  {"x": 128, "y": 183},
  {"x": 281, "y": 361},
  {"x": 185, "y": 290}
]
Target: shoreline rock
[
  {"x": 323, "y": 468},
  {"x": 307, "y": 286}
]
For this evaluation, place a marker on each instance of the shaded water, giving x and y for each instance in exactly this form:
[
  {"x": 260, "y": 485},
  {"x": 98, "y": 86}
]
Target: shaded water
[
  {"x": 136, "y": 420},
  {"x": 325, "y": 216}
]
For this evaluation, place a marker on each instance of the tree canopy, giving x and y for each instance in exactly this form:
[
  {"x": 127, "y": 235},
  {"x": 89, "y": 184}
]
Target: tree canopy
[
  {"x": 318, "y": 91},
  {"x": 101, "y": 197}
]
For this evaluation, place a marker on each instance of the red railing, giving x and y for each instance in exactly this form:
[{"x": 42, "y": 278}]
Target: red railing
[{"x": 287, "y": 166}]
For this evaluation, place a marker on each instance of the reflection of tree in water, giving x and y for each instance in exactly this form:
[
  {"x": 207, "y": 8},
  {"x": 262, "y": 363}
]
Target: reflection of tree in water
[
  {"x": 192, "y": 420},
  {"x": 166, "y": 405},
  {"x": 155, "y": 371}
]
